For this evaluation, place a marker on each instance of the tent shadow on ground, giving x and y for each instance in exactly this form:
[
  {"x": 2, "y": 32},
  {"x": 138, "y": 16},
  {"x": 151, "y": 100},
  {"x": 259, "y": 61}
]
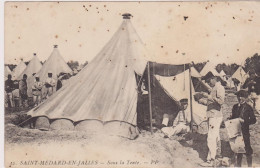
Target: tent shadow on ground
[{"x": 199, "y": 144}]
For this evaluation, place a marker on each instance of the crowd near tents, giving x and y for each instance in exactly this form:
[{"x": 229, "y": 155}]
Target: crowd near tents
[
  {"x": 105, "y": 95},
  {"x": 55, "y": 64}
]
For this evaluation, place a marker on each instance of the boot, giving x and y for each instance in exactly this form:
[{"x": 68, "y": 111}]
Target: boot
[
  {"x": 239, "y": 159},
  {"x": 249, "y": 160}
]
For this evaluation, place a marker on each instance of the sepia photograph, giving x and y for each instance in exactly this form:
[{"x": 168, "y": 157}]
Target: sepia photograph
[{"x": 136, "y": 84}]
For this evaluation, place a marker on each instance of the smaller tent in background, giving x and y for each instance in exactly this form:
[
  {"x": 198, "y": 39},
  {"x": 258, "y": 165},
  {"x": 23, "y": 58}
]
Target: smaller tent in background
[
  {"x": 240, "y": 75},
  {"x": 223, "y": 76},
  {"x": 7, "y": 72},
  {"x": 209, "y": 67},
  {"x": 230, "y": 83},
  {"x": 55, "y": 64},
  {"x": 33, "y": 67},
  {"x": 80, "y": 67},
  {"x": 222, "y": 73},
  {"x": 18, "y": 70}
]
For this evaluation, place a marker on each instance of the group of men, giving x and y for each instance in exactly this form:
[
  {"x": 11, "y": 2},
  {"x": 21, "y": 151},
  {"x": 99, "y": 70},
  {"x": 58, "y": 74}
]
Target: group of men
[
  {"x": 243, "y": 111},
  {"x": 19, "y": 89}
]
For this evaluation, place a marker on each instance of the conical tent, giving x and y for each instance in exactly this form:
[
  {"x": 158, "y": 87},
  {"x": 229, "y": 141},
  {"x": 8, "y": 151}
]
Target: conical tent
[
  {"x": 7, "y": 71},
  {"x": 18, "y": 70},
  {"x": 222, "y": 73},
  {"x": 33, "y": 67},
  {"x": 240, "y": 75},
  {"x": 104, "y": 92},
  {"x": 54, "y": 64},
  {"x": 209, "y": 67}
]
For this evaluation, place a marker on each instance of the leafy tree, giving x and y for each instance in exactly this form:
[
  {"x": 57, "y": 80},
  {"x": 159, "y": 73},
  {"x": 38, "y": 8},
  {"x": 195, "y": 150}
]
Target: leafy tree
[
  {"x": 27, "y": 62},
  {"x": 11, "y": 66},
  {"x": 73, "y": 64},
  {"x": 253, "y": 63},
  {"x": 233, "y": 68},
  {"x": 199, "y": 66}
]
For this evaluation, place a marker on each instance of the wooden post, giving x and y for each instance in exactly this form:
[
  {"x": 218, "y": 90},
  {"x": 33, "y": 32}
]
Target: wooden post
[
  {"x": 150, "y": 98},
  {"x": 191, "y": 112}
]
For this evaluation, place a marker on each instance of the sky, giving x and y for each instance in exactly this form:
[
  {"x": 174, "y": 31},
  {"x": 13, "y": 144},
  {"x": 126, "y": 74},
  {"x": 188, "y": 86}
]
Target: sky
[{"x": 221, "y": 32}]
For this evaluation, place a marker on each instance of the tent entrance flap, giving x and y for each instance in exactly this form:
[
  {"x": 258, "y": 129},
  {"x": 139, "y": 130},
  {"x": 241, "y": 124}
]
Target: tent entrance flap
[{"x": 177, "y": 87}]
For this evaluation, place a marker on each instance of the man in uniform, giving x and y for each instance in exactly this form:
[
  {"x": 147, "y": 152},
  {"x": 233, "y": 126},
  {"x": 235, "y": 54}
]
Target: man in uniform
[
  {"x": 180, "y": 124},
  {"x": 23, "y": 91},
  {"x": 245, "y": 113},
  {"x": 50, "y": 84},
  {"x": 9, "y": 87},
  {"x": 214, "y": 115},
  {"x": 37, "y": 91},
  {"x": 253, "y": 85}
]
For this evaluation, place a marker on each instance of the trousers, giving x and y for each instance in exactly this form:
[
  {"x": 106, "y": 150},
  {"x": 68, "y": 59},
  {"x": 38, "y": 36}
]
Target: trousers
[
  {"x": 179, "y": 128},
  {"x": 10, "y": 99},
  {"x": 213, "y": 136}
]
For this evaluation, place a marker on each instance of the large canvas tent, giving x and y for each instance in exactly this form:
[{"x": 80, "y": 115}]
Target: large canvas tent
[
  {"x": 7, "y": 71},
  {"x": 18, "y": 70},
  {"x": 240, "y": 75},
  {"x": 34, "y": 66},
  {"x": 54, "y": 64},
  {"x": 103, "y": 96},
  {"x": 209, "y": 67}
]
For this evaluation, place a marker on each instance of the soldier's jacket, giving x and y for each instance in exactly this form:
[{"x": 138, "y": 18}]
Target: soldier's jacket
[{"x": 245, "y": 112}]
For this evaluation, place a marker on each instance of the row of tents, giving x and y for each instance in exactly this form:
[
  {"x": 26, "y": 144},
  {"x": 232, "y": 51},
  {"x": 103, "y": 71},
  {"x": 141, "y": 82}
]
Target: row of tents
[
  {"x": 54, "y": 64},
  {"x": 239, "y": 75},
  {"x": 103, "y": 97}
]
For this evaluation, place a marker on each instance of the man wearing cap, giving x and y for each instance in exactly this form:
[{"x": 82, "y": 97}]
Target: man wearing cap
[
  {"x": 37, "y": 91},
  {"x": 9, "y": 87},
  {"x": 253, "y": 85},
  {"x": 214, "y": 115},
  {"x": 50, "y": 84},
  {"x": 245, "y": 113},
  {"x": 180, "y": 124}
]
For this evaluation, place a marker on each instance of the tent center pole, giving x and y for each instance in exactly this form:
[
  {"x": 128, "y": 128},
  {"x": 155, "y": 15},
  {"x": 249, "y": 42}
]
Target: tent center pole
[{"x": 150, "y": 97}]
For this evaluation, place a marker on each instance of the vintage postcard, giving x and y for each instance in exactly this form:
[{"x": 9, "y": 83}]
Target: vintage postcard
[{"x": 131, "y": 84}]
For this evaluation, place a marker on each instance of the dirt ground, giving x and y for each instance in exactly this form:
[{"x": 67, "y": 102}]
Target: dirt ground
[{"x": 23, "y": 145}]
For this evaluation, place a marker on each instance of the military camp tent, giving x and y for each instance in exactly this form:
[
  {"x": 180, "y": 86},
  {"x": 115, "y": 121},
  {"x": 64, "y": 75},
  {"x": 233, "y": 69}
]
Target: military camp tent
[
  {"x": 54, "y": 64},
  {"x": 240, "y": 75},
  {"x": 209, "y": 67},
  {"x": 34, "y": 66},
  {"x": 7, "y": 71},
  {"x": 230, "y": 82},
  {"x": 18, "y": 70},
  {"x": 222, "y": 73},
  {"x": 103, "y": 96}
]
